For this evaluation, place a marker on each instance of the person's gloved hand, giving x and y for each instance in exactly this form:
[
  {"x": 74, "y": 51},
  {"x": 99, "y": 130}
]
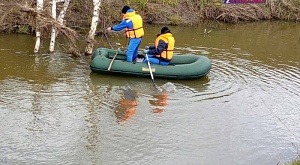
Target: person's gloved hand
[
  {"x": 147, "y": 47},
  {"x": 146, "y": 51}
]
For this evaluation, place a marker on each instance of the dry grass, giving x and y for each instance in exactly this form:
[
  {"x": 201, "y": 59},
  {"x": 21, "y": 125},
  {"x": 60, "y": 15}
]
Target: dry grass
[
  {"x": 279, "y": 10},
  {"x": 236, "y": 13},
  {"x": 17, "y": 14},
  {"x": 284, "y": 9}
]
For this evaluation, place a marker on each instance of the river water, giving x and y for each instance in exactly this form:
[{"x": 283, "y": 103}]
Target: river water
[{"x": 53, "y": 110}]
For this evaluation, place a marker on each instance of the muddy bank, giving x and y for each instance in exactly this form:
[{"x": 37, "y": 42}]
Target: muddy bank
[
  {"x": 15, "y": 16},
  {"x": 186, "y": 12}
]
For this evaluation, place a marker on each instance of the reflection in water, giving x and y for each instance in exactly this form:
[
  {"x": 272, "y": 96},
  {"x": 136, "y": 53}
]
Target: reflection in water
[
  {"x": 127, "y": 105},
  {"x": 37, "y": 62},
  {"x": 159, "y": 101},
  {"x": 36, "y": 110},
  {"x": 160, "y": 98}
]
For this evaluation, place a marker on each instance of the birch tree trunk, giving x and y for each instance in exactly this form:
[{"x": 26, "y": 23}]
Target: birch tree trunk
[
  {"x": 60, "y": 19},
  {"x": 63, "y": 11},
  {"x": 91, "y": 35},
  {"x": 39, "y": 7},
  {"x": 53, "y": 31}
]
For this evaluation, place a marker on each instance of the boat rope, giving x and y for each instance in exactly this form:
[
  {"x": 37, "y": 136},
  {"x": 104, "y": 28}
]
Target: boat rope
[{"x": 104, "y": 31}]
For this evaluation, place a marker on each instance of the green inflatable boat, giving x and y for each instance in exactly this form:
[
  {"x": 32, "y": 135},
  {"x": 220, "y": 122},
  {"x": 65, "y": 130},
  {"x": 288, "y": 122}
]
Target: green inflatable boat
[{"x": 181, "y": 66}]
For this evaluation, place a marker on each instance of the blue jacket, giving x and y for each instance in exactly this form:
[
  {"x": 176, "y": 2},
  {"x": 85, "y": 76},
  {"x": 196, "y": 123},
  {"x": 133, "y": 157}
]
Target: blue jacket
[
  {"x": 160, "y": 48},
  {"x": 126, "y": 23}
]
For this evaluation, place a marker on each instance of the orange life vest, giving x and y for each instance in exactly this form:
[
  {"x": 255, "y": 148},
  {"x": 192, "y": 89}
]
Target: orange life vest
[
  {"x": 167, "y": 54},
  {"x": 137, "y": 21}
]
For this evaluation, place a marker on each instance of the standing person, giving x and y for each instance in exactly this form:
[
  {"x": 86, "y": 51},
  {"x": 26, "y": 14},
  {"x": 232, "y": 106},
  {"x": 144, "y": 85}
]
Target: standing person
[
  {"x": 162, "y": 51},
  {"x": 133, "y": 25}
]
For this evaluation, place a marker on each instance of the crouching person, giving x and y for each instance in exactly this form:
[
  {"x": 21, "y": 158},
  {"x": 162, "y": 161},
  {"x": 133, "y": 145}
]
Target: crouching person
[{"x": 162, "y": 51}]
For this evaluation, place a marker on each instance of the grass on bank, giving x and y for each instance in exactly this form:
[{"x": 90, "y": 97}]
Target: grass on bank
[
  {"x": 14, "y": 16},
  {"x": 296, "y": 162}
]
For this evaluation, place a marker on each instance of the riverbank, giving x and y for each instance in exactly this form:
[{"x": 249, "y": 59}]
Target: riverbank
[
  {"x": 17, "y": 18},
  {"x": 185, "y": 12}
]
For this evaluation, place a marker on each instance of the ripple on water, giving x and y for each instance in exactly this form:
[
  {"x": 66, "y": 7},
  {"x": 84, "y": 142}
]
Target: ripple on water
[{"x": 236, "y": 71}]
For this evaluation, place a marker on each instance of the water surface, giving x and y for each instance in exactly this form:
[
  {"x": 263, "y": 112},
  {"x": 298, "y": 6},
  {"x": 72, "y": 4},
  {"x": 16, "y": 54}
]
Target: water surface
[{"x": 53, "y": 110}]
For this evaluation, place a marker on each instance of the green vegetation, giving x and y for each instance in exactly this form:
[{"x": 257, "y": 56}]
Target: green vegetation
[
  {"x": 296, "y": 162},
  {"x": 141, "y": 3},
  {"x": 23, "y": 29},
  {"x": 175, "y": 20}
]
